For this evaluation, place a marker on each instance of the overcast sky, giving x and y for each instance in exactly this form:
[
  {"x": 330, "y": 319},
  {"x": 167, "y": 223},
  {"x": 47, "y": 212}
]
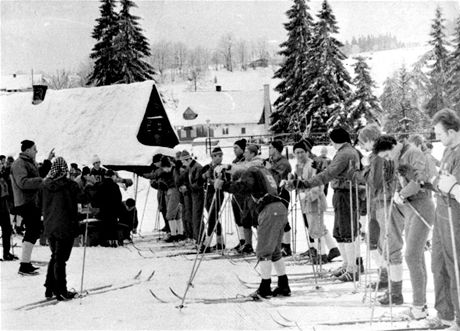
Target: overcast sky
[{"x": 51, "y": 35}]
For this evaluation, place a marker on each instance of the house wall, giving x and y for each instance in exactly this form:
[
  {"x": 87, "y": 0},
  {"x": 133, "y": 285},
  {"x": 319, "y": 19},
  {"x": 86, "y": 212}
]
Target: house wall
[{"x": 223, "y": 130}]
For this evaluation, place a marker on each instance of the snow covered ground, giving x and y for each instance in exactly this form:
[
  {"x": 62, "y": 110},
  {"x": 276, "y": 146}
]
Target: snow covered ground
[{"x": 134, "y": 308}]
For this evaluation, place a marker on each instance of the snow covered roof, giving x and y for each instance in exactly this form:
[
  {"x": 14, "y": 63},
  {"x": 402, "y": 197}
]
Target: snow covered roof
[
  {"x": 18, "y": 82},
  {"x": 82, "y": 122},
  {"x": 227, "y": 107}
]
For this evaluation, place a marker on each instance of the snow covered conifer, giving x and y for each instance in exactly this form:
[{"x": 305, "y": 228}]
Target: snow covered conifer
[
  {"x": 328, "y": 80},
  {"x": 453, "y": 80},
  {"x": 104, "y": 70},
  {"x": 363, "y": 104},
  {"x": 438, "y": 72},
  {"x": 131, "y": 47},
  {"x": 399, "y": 102},
  {"x": 294, "y": 50}
]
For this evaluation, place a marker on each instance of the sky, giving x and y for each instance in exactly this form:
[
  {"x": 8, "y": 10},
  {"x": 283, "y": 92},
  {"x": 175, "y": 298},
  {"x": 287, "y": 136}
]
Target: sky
[{"x": 53, "y": 35}]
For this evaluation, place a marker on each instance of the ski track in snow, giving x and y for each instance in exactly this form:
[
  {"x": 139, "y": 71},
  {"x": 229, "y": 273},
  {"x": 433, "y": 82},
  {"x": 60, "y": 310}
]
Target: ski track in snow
[{"x": 134, "y": 307}]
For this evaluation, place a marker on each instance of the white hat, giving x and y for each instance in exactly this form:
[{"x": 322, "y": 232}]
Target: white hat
[{"x": 95, "y": 159}]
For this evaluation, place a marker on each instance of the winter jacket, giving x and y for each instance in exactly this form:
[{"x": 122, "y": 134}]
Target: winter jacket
[
  {"x": 25, "y": 180},
  {"x": 194, "y": 176},
  {"x": 59, "y": 201},
  {"x": 414, "y": 159},
  {"x": 108, "y": 199},
  {"x": 346, "y": 161}
]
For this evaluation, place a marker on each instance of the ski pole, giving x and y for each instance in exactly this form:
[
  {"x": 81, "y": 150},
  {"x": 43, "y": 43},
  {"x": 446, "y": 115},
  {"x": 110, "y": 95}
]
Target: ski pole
[
  {"x": 145, "y": 206},
  {"x": 84, "y": 254},
  {"x": 352, "y": 234},
  {"x": 454, "y": 246},
  {"x": 368, "y": 243},
  {"x": 358, "y": 224}
]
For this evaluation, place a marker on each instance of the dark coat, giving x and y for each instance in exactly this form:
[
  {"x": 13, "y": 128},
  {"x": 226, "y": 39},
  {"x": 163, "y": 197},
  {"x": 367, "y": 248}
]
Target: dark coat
[
  {"x": 60, "y": 207},
  {"x": 108, "y": 199},
  {"x": 195, "y": 177}
]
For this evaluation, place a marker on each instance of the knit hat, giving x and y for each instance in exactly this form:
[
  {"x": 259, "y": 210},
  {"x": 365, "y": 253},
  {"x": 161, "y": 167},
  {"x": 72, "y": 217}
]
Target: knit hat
[
  {"x": 340, "y": 136},
  {"x": 241, "y": 143},
  {"x": 278, "y": 145},
  {"x": 58, "y": 168},
  {"x": 26, "y": 144},
  {"x": 157, "y": 158},
  {"x": 95, "y": 159},
  {"x": 165, "y": 162},
  {"x": 185, "y": 155},
  {"x": 253, "y": 149},
  {"x": 305, "y": 144},
  {"x": 217, "y": 150}
]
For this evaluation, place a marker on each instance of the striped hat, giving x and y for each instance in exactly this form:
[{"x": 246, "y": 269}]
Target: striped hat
[{"x": 58, "y": 168}]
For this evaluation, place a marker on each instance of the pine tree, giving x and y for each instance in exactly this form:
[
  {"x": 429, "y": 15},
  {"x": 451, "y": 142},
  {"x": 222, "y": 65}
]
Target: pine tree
[
  {"x": 363, "y": 106},
  {"x": 438, "y": 72},
  {"x": 328, "y": 80},
  {"x": 399, "y": 101},
  {"x": 453, "y": 81},
  {"x": 104, "y": 70},
  {"x": 294, "y": 50},
  {"x": 131, "y": 47}
]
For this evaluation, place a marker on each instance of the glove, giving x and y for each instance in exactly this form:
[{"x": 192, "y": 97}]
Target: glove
[
  {"x": 398, "y": 199},
  {"x": 283, "y": 183},
  {"x": 365, "y": 161},
  {"x": 218, "y": 183},
  {"x": 128, "y": 182}
]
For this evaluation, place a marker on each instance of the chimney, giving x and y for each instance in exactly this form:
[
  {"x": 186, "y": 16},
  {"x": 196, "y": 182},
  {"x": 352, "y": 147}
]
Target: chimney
[
  {"x": 218, "y": 88},
  {"x": 267, "y": 106}
]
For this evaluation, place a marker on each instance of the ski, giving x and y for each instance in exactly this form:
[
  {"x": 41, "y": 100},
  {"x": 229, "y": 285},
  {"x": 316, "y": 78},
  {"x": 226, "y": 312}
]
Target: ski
[
  {"x": 175, "y": 294},
  {"x": 284, "y": 324},
  {"x": 156, "y": 297},
  {"x": 421, "y": 328},
  {"x": 380, "y": 320}
]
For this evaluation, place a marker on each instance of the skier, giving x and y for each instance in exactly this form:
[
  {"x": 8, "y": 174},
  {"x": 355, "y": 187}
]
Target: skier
[
  {"x": 59, "y": 197},
  {"x": 447, "y": 127},
  {"x": 280, "y": 168},
  {"x": 409, "y": 201},
  {"x": 313, "y": 204},
  {"x": 339, "y": 173},
  {"x": 238, "y": 199},
  {"x": 272, "y": 219},
  {"x": 26, "y": 182}
]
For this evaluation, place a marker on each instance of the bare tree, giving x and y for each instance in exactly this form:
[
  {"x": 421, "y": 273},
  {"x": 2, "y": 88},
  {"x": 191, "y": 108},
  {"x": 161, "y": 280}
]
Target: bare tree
[
  {"x": 161, "y": 58},
  {"x": 180, "y": 51},
  {"x": 227, "y": 49},
  {"x": 242, "y": 50},
  {"x": 62, "y": 79},
  {"x": 198, "y": 63},
  {"x": 84, "y": 71}
]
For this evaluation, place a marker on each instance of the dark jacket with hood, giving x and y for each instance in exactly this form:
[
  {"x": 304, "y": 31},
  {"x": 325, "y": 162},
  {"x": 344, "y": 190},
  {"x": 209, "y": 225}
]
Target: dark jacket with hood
[{"x": 60, "y": 199}]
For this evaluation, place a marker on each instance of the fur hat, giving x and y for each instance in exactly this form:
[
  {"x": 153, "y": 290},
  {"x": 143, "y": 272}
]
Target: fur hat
[
  {"x": 278, "y": 145},
  {"x": 340, "y": 136},
  {"x": 95, "y": 159},
  {"x": 216, "y": 150},
  {"x": 58, "y": 168},
  {"x": 241, "y": 143}
]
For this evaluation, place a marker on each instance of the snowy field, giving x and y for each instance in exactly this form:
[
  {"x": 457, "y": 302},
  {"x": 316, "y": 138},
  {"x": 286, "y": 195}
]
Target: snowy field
[{"x": 124, "y": 301}]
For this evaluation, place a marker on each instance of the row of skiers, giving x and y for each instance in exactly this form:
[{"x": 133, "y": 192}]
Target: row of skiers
[
  {"x": 185, "y": 189},
  {"x": 399, "y": 178}
]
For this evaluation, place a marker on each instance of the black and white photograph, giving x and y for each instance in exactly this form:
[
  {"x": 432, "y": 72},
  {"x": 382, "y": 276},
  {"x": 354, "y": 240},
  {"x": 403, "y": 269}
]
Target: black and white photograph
[{"x": 230, "y": 165}]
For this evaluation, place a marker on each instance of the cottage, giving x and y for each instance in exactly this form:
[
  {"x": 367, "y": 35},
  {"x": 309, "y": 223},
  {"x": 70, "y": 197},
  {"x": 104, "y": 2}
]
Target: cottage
[{"x": 222, "y": 114}]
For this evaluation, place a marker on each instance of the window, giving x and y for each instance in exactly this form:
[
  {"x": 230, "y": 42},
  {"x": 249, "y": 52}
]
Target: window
[
  {"x": 243, "y": 130},
  {"x": 224, "y": 130}
]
